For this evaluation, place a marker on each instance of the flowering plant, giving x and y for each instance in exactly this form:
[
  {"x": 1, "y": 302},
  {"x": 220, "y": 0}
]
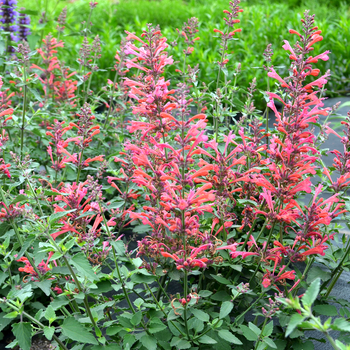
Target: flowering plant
[{"x": 232, "y": 218}]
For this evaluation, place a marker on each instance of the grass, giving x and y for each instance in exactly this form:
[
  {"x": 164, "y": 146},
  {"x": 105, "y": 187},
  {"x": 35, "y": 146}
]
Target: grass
[{"x": 262, "y": 22}]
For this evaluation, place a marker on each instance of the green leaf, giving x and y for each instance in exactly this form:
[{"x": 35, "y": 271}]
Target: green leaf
[
  {"x": 183, "y": 344},
  {"x": 225, "y": 309},
  {"x": 326, "y": 310},
  {"x": 74, "y": 330},
  {"x": 221, "y": 279},
  {"x": 294, "y": 321},
  {"x": 254, "y": 328},
  {"x": 248, "y": 333},
  {"x": 50, "y": 314},
  {"x": 83, "y": 266},
  {"x": 205, "y": 339},
  {"x": 139, "y": 277},
  {"x": 340, "y": 324},
  {"x": 156, "y": 325},
  {"x": 48, "y": 332},
  {"x": 129, "y": 339},
  {"x": 270, "y": 343},
  {"x": 221, "y": 296},
  {"x": 316, "y": 272},
  {"x": 136, "y": 318},
  {"x": 201, "y": 315},
  {"x": 28, "y": 242},
  {"x": 312, "y": 292},
  {"x": 205, "y": 293},
  {"x": 228, "y": 336},
  {"x": 112, "y": 346},
  {"x": 268, "y": 329},
  {"x": 119, "y": 247},
  {"x": 56, "y": 216},
  {"x": 20, "y": 198},
  {"x": 45, "y": 286},
  {"x": 58, "y": 302},
  {"x": 12, "y": 314},
  {"x": 149, "y": 342},
  {"x": 23, "y": 333},
  {"x": 4, "y": 321}
]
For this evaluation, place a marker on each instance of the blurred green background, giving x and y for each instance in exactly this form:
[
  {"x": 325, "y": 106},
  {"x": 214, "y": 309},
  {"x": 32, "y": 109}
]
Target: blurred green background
[{"x": 262, "y": 22}]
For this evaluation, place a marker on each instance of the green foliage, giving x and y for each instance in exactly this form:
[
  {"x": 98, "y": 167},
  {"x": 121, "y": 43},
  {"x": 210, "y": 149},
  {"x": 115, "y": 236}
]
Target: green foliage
[{"x": 263, "y": 23}]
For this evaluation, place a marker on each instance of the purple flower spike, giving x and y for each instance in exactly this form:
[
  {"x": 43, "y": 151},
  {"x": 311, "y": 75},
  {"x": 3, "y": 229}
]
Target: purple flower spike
[
  {"x": 8, "y": 17},
  {"x": 23, "y": 22}
]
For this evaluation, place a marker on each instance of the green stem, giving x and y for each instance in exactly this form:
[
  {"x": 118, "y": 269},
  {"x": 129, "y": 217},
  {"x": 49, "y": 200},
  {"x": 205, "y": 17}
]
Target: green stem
[
  {"x": 162, "y": 310},
  {"x": 24, "y": 109},
  {"x": 249, "y": 308},
  {"x": 334, "y": 281},
  {"x": 76, "y": 281},
  {"x": 116, "y": 264},
  {"x": 185, "y": 308},
  {"x": 161, "y": 285},
  {"x": 324, "y": 331},
  {"x": 260, "y": 337},
  {"x": 111, "y": 99},
  {"x": 89, "y": 83},
  {"x": 80, "y": 165},
  {"x": 263, "y": 253}
]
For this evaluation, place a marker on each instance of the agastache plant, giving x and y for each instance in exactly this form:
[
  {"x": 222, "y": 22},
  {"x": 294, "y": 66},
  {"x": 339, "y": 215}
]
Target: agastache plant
[{"x": 134, "y": 222}]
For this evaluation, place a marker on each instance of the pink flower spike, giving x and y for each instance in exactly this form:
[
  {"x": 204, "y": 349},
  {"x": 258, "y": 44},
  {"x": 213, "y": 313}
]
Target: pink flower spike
[{"x": 273, "y": 74}]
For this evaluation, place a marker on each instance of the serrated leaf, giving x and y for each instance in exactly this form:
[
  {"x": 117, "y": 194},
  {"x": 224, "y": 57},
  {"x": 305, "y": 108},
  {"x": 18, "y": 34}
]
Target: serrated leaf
[
  {"x": 28, "y": 242},
  {"x": 23, "y": 333},
  {"x": 201, "y": 315},
  {"x": 221, "y": 296},
  {"x": 74, "y": 330},
  {"x": 11, "y": 315},
  {"x": 312, "y": 292},
  {"x": 45, "y": 286},
  {"x": 119, "y": 247},
  {"x": 340, "y": 324},
  {"x": 20, "y": 198},
  {"x": 156, "y": 325},
  {"x": 136, "y": 318},
  {"x": 228, "y": 336},
  {"x": 326, "y": 310},
  {"x": 254, "y": 328},
  {"x": 83, "y": 266},
  {"x": 317, "y": 272},
  {"x": 225, "y": 309},
  {"x": 48, "y": 332},
  {"x": 248, "y": 333},
  {"x": 142, "y": 278},
  {"x": 205, "y": 293},
  {"x": 50, "y": 314},
  {"x": 4, "y": 321},
  {"x": 56, "y": 216},
  {"x": 294, "y": 321},
  {"x": 129, "y": 339},
  {"x": 268, "y": 329},
  {"x": 58, "y": 302},
  {"x": 111, "y": 346},
  {"x": 270, "y": 343},
  {"x": 205, "y": 339},
  {"x": 149, "y": 342},
  {"x": 183, "y": 344},
  {"x": 221, "y": 279}
]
